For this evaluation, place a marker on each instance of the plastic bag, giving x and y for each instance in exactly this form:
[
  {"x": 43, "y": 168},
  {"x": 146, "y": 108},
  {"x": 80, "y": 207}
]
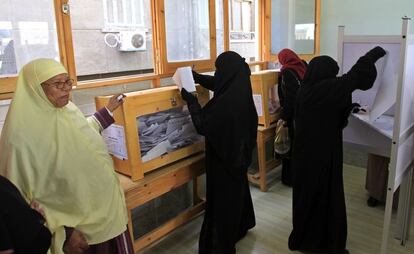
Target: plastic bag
[{"x": 282, "y": 141}]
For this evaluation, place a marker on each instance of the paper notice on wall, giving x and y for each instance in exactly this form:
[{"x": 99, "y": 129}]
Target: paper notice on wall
[
  {"x": 114, "y": 137},
  {"x": 183, "y": 77},
  {"x": 257, "y": 98}
]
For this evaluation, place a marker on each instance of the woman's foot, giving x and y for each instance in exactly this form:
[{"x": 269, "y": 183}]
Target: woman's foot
[{"x": 372, "y": 202}]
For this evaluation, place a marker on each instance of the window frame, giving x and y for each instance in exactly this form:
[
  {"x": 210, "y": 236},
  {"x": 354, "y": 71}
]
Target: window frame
[
  {"x": 267, "y": 31},
  {"x": 163, "y": 68},
  {"x": 167, "y": 67}
]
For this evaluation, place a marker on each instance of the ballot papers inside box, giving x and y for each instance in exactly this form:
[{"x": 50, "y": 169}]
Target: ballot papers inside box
[
  {"x": 265, "y": 96},
  {"x": 152, "y": 128},
  {"x": 165, "y": 132}
]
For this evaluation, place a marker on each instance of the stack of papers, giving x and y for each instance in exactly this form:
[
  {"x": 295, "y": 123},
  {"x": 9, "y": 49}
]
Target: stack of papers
[
  {"x": 183, "y": 77},
  {"x": 165, "y": 132}
]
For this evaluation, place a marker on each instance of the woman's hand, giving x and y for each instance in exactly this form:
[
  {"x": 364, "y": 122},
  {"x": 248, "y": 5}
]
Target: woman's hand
[
  {"x": 188, "y": 97},
  {"x": 76, "y": 244},
  {"x": 10, "y": 251},
  {"x": 115, "y": 101},
  {"x": 35, "y": 206}
]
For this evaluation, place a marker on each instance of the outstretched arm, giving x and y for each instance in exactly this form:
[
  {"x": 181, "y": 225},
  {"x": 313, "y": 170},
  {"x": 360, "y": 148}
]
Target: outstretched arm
[
  {"x": 103, "y": 118},
  {"x": 361, "y": 76},
  {"x": 195, "y": 111},
  {"x": 205, "y": 81}
]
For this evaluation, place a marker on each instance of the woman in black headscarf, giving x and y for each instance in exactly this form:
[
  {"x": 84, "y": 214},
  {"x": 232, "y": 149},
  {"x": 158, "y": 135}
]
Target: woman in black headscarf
[
  {"x": 323, "y": 106},
  {"x": 229, "y": 123}
]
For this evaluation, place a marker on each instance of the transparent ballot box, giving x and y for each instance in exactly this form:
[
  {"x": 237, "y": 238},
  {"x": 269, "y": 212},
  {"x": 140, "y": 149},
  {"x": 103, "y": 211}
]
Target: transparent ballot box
[
  {"x": 152, "y": 128},
  {"x": 265, "y": 96},
  {"x": 164, "y": 132}
]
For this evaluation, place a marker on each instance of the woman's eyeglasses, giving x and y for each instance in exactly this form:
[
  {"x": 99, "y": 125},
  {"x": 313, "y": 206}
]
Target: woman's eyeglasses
[{"x": 60, "y": 85}]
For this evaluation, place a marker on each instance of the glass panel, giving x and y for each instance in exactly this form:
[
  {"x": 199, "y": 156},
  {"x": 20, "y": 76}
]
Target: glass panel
[
  {"x": 293, "y": 26},
  {"x": 304, "y": 27},
  {"x": 115, "y": 41},
  {"x": 156, "y": 212},
  {"x": 273, "y": 102},
  {"x": 164, "y": 132},
  {"x": 26, "y": 35},
  {"x": 219, "y": 26},
  {"x": 85, "y": 98},
  {"x": 244, "y": 28},
  {"x": 188, "y": 31}
]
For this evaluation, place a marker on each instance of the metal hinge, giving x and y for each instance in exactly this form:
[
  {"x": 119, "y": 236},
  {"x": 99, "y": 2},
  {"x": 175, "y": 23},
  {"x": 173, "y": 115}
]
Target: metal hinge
[
  {"x": 66, "y": 9},
  {"x": 173, "y": 101}
]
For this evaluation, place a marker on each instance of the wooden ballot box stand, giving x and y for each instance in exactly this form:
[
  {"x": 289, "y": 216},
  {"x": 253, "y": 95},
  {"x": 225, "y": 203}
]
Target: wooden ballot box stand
[
  {"x": 264, "y": 87},
  {"x": 158, "y": 183},
  {"x": 265, "y": 163}
]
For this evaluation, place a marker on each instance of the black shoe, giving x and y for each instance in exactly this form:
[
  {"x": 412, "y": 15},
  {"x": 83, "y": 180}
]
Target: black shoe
[{"x": 372, "y": 202}]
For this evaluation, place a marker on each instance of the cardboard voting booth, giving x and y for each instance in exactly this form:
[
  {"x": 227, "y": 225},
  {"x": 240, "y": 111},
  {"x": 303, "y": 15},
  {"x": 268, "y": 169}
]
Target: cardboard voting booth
[{"x": 387, "y": 128}]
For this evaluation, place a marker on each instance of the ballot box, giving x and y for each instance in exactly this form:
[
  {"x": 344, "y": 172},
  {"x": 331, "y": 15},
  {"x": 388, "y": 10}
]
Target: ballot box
[
  {"x": 152, "y": 128},
  {"x": 265, "y": 96}
]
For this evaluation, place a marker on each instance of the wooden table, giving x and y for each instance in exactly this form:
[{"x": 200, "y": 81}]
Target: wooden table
[
  {"x": 158, "y": 183},
  {"x": 264, "y": 135}
]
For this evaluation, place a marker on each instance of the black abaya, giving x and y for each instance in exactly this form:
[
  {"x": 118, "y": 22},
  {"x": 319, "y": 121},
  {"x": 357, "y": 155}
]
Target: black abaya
[
  {"x": 21, "y": 228},
  {"x": 229, "y": 124},
  {"x": 287, "y": 89},
  {"x": 319, "y": 213}
]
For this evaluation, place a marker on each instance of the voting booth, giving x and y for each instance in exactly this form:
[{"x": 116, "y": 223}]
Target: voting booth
[
  {"x": 387, "y": 128},
  {"x": 152, "y": 128},
  {"x": 265, "y": 96}
]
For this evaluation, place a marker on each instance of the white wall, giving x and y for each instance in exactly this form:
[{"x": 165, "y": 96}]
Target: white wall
[{"x": 365, "y": 17}]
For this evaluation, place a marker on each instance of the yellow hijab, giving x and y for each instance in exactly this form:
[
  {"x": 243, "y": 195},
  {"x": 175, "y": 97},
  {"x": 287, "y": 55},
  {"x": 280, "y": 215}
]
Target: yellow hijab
[{"x": 55, "y": 157}]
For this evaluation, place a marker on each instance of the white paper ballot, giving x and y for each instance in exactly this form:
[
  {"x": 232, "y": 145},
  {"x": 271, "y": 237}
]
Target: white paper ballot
[
  {"x": 183, "y": 77},
  {"x": 114, "y": 137}
]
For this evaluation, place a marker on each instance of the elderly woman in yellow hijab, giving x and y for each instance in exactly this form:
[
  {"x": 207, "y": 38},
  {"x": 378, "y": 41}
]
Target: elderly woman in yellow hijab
[{"x": 56, "y": 156}]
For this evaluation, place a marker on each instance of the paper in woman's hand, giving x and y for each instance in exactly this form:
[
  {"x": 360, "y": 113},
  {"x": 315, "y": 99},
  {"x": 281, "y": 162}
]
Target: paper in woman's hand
[{"x": 183, "y": 77}]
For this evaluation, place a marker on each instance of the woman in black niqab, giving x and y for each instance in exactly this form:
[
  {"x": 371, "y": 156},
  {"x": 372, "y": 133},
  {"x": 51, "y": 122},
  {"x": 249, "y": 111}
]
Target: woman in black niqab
[
  {"x": 229, "y": 123},
  {"x": 323, "y": 102}
]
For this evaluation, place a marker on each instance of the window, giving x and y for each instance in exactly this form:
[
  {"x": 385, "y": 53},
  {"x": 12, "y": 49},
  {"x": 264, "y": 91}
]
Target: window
[
  {"x": 244, "y": 24},
  {"x": 293, "y": 26},
  {"x": 115, "y": 42},
  {"x": 120, "y": 14},
  {"x": 26, "y": 37},
  {"x": 219, "y": 26},
  {"x": 187, "y": 30}
]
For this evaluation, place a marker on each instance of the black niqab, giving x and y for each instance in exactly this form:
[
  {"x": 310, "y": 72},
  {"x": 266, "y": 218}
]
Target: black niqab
[
  {"x": 320, "y": 68},
  {"x": 229, "y": 124},
  {"x": 230, "y": 117}
]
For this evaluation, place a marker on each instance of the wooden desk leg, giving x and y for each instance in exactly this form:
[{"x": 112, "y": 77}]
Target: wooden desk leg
[{"x": 261, "y": 156}]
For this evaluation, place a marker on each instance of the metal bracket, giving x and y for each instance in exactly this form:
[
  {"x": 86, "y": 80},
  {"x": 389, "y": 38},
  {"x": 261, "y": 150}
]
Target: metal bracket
[
  {"x": 173, "y": 101},
  {"x": 66, "y": 9}
]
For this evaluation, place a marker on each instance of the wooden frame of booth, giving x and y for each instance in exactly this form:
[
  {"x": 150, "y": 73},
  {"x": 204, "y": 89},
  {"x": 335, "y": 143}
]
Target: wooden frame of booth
[
  {"x": 142, "y": 103},
  {"x": 160, "y": 182},
  {"x": 265, "y": 165},
  {"x": 262, "y": 83}
]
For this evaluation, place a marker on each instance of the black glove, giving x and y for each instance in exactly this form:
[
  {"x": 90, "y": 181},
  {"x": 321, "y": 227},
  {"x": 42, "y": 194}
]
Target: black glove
[
  {"x": 196, "y": 77},
  {"x": 356, "y": 108},
  {"x": 188, "y": 97},
  {"x": 375, "y": 53}
]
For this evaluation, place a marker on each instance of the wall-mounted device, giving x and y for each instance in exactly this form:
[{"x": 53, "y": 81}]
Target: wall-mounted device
[
  {"x": 128, "y": 41},
  {"x": 132, "y": 41}
]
